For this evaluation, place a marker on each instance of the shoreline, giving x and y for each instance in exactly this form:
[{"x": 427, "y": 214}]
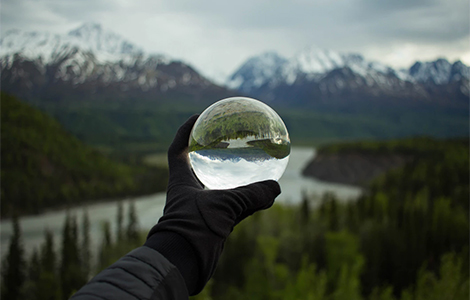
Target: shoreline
[
  {"x": 353, "y": 168},
  {"x": 84, "y": 204}
]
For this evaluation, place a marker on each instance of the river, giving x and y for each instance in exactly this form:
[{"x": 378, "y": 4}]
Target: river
[{"x": 150, "y": 208}]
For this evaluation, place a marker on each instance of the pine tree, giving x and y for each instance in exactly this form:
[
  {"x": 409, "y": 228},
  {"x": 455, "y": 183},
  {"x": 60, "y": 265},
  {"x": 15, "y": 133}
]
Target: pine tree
[
  {"x": 333, "y": 216},
  {"x": 48, "y": 256},
  {"x": 48, "y": 287},
  {"x": 107, "y": 234},
  {"x": 104, "y": 257},
  {"x": 86, "y": 252},
  {"x": 132, "y": 227},
  {"x": 304, "y": 209},
  {"x": 34, "y": 273},
  {"x": 14, "y": 266},
  {"x": 70, "y": 270},
  {"x": 119, "y": 222},
  {"x": 34, "y": 267}
]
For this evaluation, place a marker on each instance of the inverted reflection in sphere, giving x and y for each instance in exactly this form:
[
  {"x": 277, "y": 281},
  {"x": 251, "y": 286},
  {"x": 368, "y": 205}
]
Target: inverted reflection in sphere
[{"x": 238, "y": 141}]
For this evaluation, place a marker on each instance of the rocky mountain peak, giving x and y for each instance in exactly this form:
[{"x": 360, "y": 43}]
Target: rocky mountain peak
[
  {"x": 439, "y": 72},
  {"x": 93, "y": 61},
  {"x": 320, "y": 74},
  {"x": 315, "y": 60},
  {"x": 93, "y": 37},
  {"x": 256, "y": 71},
  {"x": 104, "y": 44},
  {"x": 86, "y": 28}
]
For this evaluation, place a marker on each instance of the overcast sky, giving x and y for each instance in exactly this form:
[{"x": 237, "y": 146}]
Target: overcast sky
[{"x": 216, "y": 36}]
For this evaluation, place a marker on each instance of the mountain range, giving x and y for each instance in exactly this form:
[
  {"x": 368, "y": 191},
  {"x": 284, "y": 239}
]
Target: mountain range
[
  {"x": 90, "y": 62},
  {"x": 315, "y": 75}
]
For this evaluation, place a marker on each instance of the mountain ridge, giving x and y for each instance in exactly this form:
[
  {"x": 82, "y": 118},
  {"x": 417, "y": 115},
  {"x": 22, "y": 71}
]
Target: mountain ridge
[
  {"x": 89, "y": 37},
  {"x": 320, "y": 75},
  {"x": 90, "y": 62},
  {"x": 96, "y": 63}
]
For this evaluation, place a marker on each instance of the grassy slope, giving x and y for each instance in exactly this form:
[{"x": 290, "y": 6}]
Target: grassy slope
[{"x": 45, "y": 166}]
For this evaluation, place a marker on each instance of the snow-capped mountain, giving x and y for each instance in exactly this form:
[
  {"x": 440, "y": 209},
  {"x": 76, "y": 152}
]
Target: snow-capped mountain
[
  {"x": 321, "y": 75},
  {"x": 92, "y": 61},
  {"x": 106, "y": 46},
  {"x": 256, "y": 72},
  {"x": 439, "y": 72},
  {"x": 311, "y": 61}
]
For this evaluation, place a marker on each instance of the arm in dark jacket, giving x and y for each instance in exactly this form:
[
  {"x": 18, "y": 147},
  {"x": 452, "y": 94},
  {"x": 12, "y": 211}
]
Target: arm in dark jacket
[{"x": 142, "y": 274}]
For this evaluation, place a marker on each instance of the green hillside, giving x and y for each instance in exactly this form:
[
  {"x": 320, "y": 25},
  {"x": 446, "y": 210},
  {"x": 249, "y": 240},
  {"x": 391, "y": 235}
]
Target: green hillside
[
  {"x": 44, "y": 166},
  {"x": 138, "y": 126}
]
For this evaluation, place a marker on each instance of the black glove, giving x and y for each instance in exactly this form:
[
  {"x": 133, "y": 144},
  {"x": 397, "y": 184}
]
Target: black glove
[{"x": 201, "y": 218}]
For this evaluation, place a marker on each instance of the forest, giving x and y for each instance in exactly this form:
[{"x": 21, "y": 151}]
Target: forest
[
  {"x": 406, "y": 237},
  {"x": 44, "y": 166},
  {"x": 140, "y": 126}
]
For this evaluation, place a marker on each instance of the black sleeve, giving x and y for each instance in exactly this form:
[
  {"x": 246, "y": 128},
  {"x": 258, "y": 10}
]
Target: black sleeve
[{"x": 142, "y": 274}]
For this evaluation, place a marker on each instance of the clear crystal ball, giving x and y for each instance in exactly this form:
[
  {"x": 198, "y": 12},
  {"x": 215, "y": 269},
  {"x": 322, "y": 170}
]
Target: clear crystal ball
[{"x": 238, "y": 141}]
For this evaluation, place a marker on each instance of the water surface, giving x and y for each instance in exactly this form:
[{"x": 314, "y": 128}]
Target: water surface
[{"x": 150, "y": 208}]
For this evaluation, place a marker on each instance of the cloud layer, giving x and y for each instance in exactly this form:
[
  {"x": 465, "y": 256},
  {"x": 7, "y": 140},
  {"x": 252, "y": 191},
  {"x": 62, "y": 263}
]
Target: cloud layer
[{"x": 216, "y": 36}]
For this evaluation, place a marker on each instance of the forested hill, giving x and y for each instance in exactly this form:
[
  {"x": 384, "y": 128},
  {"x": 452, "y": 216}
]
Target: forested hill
[
  {"x": 44, "y": 166},
  {"x": 358, "y": 163},
  {"x": 405, "y": 238}
]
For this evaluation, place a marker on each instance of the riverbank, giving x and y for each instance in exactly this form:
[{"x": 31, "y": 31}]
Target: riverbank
[
  {"x": 352, "y": 168},
  {"x": 148, "y": 208}
]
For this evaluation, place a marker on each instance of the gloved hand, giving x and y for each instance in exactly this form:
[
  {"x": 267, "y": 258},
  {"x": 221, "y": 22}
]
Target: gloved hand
[{"x": 204, "y": 218}]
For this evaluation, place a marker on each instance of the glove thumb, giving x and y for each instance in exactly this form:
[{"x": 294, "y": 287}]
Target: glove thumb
[{"x": 223, "y": 209}]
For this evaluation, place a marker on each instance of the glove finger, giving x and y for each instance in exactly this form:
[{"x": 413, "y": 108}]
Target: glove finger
[
  {"x": 223, "y": 209},
  {"x": 180, "y": 169},
  {"x": 180, "y": 141},
  {"x": 258, "y": 196}
]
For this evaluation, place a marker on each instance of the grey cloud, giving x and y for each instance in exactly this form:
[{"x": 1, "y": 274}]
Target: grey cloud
[
  {"x": 396, "y": 5},
  {"x": 246, "y": 14},
  {"x": 325, "y": 22},
  {"x": 329, "y": 22},
  {"x": 256, "y": 25},
  {"x": 82, "y": 10},
  {"x": 424, "y": 22},
  {"x": 42, "y": 14}
]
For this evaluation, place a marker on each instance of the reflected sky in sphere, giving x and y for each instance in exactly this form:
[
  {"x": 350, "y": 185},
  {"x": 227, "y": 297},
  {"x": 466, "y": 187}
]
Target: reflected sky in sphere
[{"x": 218, "y": 173}]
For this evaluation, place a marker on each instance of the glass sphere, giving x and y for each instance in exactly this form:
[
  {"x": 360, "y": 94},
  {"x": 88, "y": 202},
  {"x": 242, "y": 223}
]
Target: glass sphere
[{"x": 238, "y": 141}]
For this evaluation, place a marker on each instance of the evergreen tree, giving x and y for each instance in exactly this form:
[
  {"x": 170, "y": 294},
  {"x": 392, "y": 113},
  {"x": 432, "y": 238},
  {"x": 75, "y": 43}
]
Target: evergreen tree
[
  {"x": 132, "y": 226},
  {"x": 14, "y": 266},
  {"x": 304, "y": 209},
  {"x": 308, "y": 284},
  {"x": 34, "y": 273},
  {"x": 119, "y": 222},
  {"x": 344, "y": 264},
  {"x": 48, "y": 255},
  {"x": 333, "y": 217},
  {"x": 107, "y": 234},
  {"x": 104, "y": 257},
  {"x": 48, "y": 284},
  {"x": 452, "y": 282},
  {"x": 85, "y": 251},
  {"x": 71, "y": 274},
  {"x": 34, "y": 267},
  {"x": 329, "y": 211}
]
